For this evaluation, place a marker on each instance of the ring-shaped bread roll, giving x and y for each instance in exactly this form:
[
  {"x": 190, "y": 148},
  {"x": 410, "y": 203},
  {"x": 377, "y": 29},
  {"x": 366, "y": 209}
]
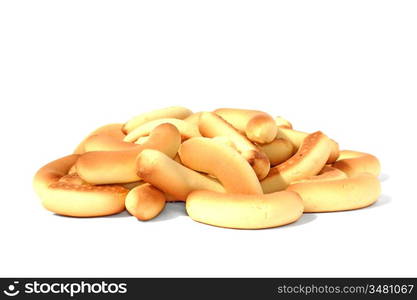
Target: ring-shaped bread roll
[
  {"x": 221, "y": 161},
  {"x": 174, "y": 112},
  {"x": 70, "y": 197},
  {"x": 244, "y": 211},
  {"x": 309, "y": 160},
  {"x": 171, "y": 177},
  {"x": 258, "y": 126},
  {"x": 103, "y": 167},
  {"x": 337, "y": 195},
  {"x": 327, "y": 173},
  {"x": 355, "y": 162},
  {"x": 211, "y": 125}
]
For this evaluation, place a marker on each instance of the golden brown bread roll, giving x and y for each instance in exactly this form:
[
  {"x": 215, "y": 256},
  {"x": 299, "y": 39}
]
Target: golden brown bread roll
[
  {"x": 335, "y": 195},
  {"x": 327, "y": 173},
  {"x": 174, "y": 112},
  {"x": 297, "y": 137},
  {"x": 283, "y": 123},
  {"x": 103, "y": 167},
  {"x": 193, "y": 118},
  {"x": 211, "y": 125},
  {"x": 113, "y": 130},
  {"x": 171, "y": 177},
  {"x": 145, "y": 202},
  {"x": 72, "y": 198},
  {"x": 187, "y": 130},
  {"x": 244, "y": 211},
  {"x": 257, "y": 125},
  {"x": 308, "y": 161},
  {"x": 221, "y": 161},
  {"x": 100, "y": 142},
  {"x": 278, "y": 151},
  {"x": 355, "y": 162}
]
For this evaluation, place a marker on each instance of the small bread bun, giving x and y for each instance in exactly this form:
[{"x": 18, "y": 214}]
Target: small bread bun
[
  {"x": 336, "y": 195},
  {"x": 104, "y": 167},
  {"x": 145, "y": 202},
  {"x": 221, "y": 161},
  {"x": 171, "y": 177},
  {"x": 354, "y": 163},
  {"x": 258, "y": 126},
  {"x": 174, "y": 112},
  {"x": 74, "y": 198},
  {"x": 211, "y": 125},
  {"x": 308, "y": 161},
  {"x": 244, "y": 211}
]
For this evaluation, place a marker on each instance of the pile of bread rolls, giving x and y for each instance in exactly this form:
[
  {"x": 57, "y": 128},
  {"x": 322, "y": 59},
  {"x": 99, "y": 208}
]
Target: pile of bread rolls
[{"x": 234, "y": 168}]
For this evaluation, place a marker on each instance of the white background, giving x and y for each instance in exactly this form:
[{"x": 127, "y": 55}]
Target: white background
[{"x": 348, "y": 68}]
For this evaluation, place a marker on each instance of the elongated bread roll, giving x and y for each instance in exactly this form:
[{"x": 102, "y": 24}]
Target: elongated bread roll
[
  {"x": 335, "y": 195},
  {"x": 145, "y": 202},
  {"x": 187, "y": 130},
  {"x": 75, "y": 198},
  {"x": 174, "y": 112},
  {"x": 244, "y": 211},
  {"x": 283, "y": 123},
  {"x": 113, "y": 130},
  {"x": 193, "y": 118},
  {"x": 354, "y": 163},
  {"x": 171, "y": 177},
  {"x": 101, "y": 142},
  {"x": 297, "y": 137},
  {"x": 257, "y": 125},
  {"x": 102, "y": 167},
  {"x": 223, "y": 162},
  {"x": 211, "y": 125},
  {"x": 278, "y": 151},
  {"x": 308, "y": 161}
]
